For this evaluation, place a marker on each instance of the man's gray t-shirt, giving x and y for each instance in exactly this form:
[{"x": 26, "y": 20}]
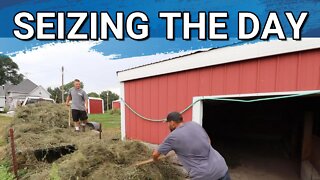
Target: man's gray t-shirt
[
  {"x": 191, "y": 144},
  {"x": 78, "y": 98}
]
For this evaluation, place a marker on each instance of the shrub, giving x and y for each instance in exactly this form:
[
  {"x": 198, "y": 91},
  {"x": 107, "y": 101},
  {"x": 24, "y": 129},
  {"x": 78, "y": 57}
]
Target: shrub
[{"x": 5, "y": 110}]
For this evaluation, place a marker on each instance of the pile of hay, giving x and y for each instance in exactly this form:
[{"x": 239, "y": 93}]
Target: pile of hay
[
  {"x": 110, "y": 160},
  {"x": 41, "y": 125},
  {"x": 45, "y": 126}
]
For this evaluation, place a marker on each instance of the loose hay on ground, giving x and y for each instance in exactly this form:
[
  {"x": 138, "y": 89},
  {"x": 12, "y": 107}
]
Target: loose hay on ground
[
  {"x": 114, "y": 160},
  {"x": 43, "y": 126}
]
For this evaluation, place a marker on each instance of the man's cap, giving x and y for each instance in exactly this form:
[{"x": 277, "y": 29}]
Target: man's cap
[{"x": 174, "y": 116}]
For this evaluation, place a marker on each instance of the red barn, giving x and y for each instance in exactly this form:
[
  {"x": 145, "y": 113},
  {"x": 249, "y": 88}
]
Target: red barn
[
  {"x": 96, "y": 106},
  {"x": 116, "y": 104},
  {"x": 285, "y": 74}
]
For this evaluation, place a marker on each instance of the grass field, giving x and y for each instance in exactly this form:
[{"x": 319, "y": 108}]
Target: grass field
[
  {"x": 4, "y": 165},
  {"x": 4, "y": 122},
  {"x": 108, "y": 121}
]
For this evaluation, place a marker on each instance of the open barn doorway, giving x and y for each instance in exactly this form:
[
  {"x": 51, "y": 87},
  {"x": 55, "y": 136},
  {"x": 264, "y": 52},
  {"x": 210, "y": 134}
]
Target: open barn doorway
[{"x": 260, "y": 140}]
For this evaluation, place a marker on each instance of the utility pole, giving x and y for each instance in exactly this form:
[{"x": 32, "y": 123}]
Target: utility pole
[
  {"x": 62, "y": 86},
  {"x": 107, "y": 101}
]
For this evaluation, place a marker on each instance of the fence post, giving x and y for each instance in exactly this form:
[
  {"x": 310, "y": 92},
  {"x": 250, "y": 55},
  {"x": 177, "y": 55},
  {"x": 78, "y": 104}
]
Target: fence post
[
  {"x": 100, "y": 130},
  {"x": 13, "y": 153}
]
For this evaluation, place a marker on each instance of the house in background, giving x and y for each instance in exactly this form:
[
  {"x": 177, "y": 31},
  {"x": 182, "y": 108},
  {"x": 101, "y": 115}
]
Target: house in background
[
  {"x": 17, "y": 93},
  {"x": 2, "y": 99}
]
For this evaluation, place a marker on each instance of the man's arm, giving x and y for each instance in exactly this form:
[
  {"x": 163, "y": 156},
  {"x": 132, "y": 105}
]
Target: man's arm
[
  {"x": 86, "y": 104},
  {"x": 69, "y": 97},
  {"x": 155, "y": 155},
  {"x": 86, "y": 100},
  {"x": 68, "y": 100},
  {"x": 164, "y": 148}
]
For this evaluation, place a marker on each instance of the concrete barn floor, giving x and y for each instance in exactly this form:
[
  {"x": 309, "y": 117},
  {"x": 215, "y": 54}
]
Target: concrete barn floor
[
  {"x": 265, "y": 168},
  {"x": 259, "y": 160}
]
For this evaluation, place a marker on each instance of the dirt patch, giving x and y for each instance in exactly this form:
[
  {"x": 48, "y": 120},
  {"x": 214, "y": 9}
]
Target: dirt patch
[{"x": 42, "y": 128}]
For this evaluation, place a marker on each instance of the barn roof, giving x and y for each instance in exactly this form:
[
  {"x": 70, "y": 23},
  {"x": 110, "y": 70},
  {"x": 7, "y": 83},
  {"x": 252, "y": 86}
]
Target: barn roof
[{"x": 218, "y": 56}]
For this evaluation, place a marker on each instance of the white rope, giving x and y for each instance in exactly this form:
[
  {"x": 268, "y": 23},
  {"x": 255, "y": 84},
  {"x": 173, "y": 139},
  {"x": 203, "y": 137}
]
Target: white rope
[
  {"x": 220, "y": 99},
  {"x": 142, "y": 117}
]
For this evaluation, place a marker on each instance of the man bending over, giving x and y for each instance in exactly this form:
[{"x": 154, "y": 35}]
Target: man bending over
[{"x": 193, "y": 147}]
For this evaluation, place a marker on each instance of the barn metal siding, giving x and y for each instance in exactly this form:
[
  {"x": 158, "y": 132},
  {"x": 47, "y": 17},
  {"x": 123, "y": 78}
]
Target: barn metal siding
[
  {"x": 96, "y": 106},
  {"x": 154, "y": 97},
  {"x": 116, "y": 105}
]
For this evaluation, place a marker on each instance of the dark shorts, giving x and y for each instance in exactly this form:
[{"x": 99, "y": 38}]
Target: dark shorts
[{"x": 79, "y": 115}]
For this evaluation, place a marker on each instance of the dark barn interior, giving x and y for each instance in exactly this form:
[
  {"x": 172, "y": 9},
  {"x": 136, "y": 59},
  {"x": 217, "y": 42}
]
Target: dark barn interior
[{"x": 264, "y": 137}]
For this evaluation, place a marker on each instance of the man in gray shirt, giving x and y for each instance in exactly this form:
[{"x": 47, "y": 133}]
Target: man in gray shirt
[
  {"x": 193, "y": 148},
  {"x": 79, "y": 104}
]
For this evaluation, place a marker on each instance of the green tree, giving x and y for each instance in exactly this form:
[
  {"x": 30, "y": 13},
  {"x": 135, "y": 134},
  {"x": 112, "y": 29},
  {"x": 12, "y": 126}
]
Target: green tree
[
  {"x": 9, "y": 71},
  {"x": 111, "y": 97},
  {"x": 55, "y": 94},
  {"x": 93, "y": 94}
]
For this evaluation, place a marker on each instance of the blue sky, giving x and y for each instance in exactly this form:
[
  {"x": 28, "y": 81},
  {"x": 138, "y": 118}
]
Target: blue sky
[
  {"x": 156, "y": 43},
  {"x": 151, "y": 7}
]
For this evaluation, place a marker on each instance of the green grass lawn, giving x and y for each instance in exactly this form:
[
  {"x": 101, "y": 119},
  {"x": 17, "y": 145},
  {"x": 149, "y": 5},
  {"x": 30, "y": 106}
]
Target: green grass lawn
[
  {"x": 108, "y": 121},
  {"x": 4, "y": 122},
  {"x": 4, "y": 165}
]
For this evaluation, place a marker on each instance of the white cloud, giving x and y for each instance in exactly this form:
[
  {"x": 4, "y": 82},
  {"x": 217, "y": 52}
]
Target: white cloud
[{"x": 98, "y": 72}]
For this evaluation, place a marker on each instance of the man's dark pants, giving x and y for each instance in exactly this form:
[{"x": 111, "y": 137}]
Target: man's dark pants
[{"x": 226, "y": 177}]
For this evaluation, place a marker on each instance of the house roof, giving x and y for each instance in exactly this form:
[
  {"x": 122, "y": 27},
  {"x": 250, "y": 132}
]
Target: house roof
[
  {"x": 43, "y": 90},
  {"x": 7, "y": 86},
  {"x": 26, "y": 86},
  {"x": 218, "y": 56}
]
